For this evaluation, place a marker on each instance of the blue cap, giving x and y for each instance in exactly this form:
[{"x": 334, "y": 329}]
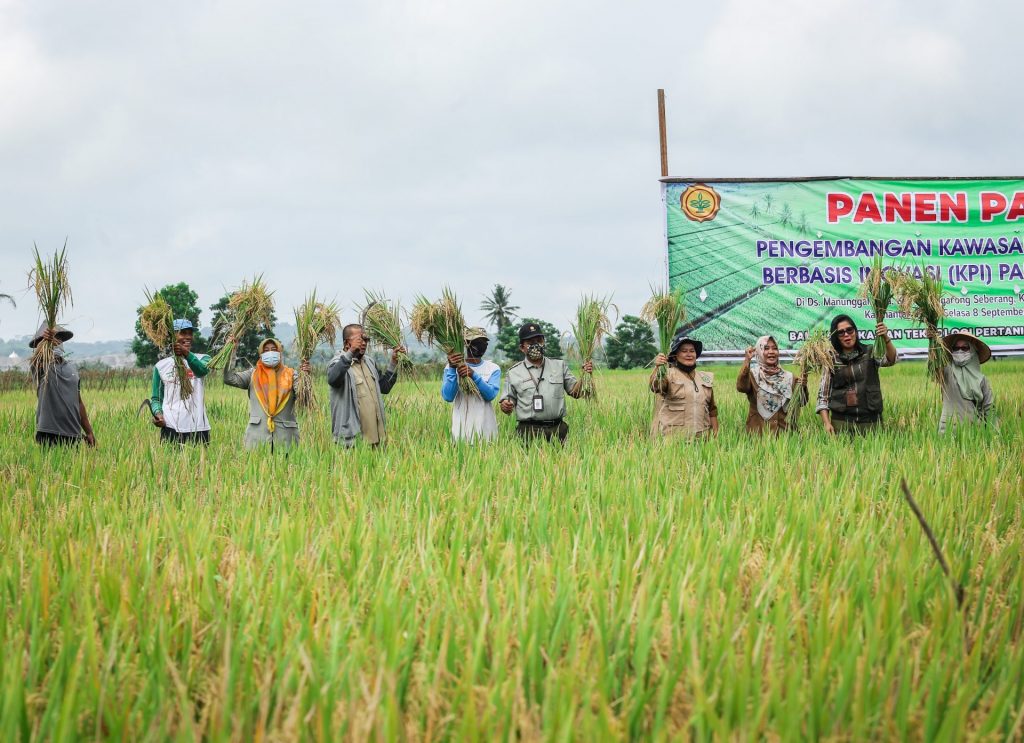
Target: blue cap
[{"x": 183, "y": 324}]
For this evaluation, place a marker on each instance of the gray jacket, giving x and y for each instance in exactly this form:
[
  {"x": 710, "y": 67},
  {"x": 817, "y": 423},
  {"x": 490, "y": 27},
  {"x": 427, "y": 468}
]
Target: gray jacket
[
  {"x": 286, "y": 428},
  {"x": 957, "y": 410},
  {"x": 344, "y": 408}
]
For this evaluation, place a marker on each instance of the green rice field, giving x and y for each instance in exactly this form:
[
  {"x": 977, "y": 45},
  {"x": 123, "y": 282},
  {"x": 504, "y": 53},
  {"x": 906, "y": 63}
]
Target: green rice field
[{"x": 615, "y": 588}]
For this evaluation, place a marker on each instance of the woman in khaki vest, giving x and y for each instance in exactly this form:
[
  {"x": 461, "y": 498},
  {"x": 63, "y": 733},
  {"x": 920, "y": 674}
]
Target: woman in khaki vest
[{"x": 685, "y": 398}]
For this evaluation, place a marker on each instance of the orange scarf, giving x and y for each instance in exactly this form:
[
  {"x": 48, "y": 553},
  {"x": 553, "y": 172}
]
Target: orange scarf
[{"x": 273, "y": 387}]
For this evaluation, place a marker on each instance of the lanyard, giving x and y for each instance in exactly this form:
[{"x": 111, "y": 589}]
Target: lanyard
[{"x": 536, "y": 382}]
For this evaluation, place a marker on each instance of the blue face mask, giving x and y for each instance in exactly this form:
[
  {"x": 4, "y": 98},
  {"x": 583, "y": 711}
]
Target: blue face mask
[{"x": 270, "y": 358}]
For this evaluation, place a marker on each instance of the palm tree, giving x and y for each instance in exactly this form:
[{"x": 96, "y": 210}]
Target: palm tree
[{"x": 497, "y": 307}]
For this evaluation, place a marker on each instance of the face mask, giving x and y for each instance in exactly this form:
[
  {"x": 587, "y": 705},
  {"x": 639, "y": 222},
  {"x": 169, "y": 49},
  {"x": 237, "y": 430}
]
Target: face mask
[
  {"x": 960, "y": 358},
  {"x": 270, "y": 358},
  {"x": 535, "y": 351},
  {"x": 58, "y": 353},
  {"x": 476, "y": 349}
]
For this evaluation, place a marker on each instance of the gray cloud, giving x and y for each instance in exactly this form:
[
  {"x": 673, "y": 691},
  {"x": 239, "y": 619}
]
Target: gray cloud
[{"x": 403, "y": 146}]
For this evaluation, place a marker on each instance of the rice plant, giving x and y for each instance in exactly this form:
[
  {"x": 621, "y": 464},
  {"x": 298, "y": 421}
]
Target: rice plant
[
  {"x": 380, "y": 319},
  {"x": 590, "y": 327},
  {"x": 49, "y": 279},
  {"x": 877, "y": 289},
  {"x": 316, "y": 322},
  {"x": 920, "y": 299},
  {"x": 441, "y": 324},
  {"x": 666, "y": 308},
  {"x": 250, "y": 308},
  {"x": 157, "y": 321}
]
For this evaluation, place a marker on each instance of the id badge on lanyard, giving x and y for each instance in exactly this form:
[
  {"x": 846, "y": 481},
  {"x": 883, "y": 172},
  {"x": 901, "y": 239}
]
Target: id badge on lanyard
[
  {"x": 538, "y": 399},
  {"x": 538, "y": 403}
]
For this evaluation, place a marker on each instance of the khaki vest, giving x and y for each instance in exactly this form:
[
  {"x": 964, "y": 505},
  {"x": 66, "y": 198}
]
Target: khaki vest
[{"x": 684, "y": 408}]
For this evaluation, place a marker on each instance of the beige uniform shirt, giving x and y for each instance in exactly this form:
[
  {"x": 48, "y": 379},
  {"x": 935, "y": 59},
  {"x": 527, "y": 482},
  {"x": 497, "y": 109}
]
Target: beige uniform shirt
[
  {"x": 684, "y": 404},
  {"x": 366, "y": 399},
  {"x": 552, "y": 380}
]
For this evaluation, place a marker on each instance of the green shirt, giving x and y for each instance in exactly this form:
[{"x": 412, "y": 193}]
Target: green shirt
[
  {"x": 551, "y": 380},
  {"x": 200, "y": 366}
]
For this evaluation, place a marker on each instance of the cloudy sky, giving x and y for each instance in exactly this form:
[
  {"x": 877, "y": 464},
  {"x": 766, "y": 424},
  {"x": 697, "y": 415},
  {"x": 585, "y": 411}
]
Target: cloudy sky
[{"x": 407, "y": 145}]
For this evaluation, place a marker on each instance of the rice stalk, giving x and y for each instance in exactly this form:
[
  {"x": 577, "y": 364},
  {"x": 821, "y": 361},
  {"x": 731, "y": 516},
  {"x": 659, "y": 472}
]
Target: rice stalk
[
  {"x": 380, "y": 320},
  {"x": 921, "y": 301},
  {"x": 49, "y": 279},
  {"x": 668, "y": 310},
  {"x": 441, "y": 324},
  {"x": 815, "y": 355},
  {"x": 591, "y": 326},
  {"x": 877, "y": 289},
  {"x": 316, "y": 322},
  {"x": 157, "y": 321},
  {"x": 250, "y": 308}
]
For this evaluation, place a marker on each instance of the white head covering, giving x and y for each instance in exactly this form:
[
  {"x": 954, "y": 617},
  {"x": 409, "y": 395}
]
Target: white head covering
[{"x": 774, "y": 384}]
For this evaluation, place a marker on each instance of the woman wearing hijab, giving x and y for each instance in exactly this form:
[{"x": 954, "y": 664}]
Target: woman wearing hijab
[
  {"x": 271, "y": 400},
  {"x": 850, "y": 396},
  {"x": 966, "y": 393},
  {"x": 685, "y": 402},
  {"x": 768, "y": 387}
]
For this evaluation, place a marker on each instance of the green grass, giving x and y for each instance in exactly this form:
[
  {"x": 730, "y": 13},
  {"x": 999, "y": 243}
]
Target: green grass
[{"x": 615, "y": 588}]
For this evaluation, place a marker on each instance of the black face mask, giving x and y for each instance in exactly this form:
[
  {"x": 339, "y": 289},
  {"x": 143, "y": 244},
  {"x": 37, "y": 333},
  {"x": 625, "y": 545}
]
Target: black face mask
[
  {"x": 685, "y": 368},
  {"x": 476, "y": 349}
]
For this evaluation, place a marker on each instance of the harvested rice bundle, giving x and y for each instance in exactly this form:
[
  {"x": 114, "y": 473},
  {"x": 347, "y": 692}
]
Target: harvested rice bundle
[
  {"x": 316, "y": 322},
  {"x": 878, "y": 290},
  {"x": 250, "y": 308},
  {"x": 668, "y": 310},
  {"x": 157, "y": 321},
  {"x": 50, "y": 281},
  {"x": 441, "y": 324},
  {"x": 379, "y": 318},
  {"x": 591, "y": 326},
  {"x": 921, "y": 301},
  {"x": 816, "y": 354}
]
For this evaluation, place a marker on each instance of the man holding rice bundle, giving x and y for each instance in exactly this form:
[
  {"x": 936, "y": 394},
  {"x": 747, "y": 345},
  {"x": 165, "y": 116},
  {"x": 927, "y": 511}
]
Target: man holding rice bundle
[
  {"x": 850, "y": 395},
  {"x": 61, "y": 418},
  {"x": 357, "y": 408},
  {"x": 536, "y": 388},
  {"x": 473, "y": 417},
  {"x": 181, "y": 420}
]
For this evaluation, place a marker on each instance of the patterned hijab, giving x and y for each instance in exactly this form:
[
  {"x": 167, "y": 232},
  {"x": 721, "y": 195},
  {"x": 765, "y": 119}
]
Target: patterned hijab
[
  {"x": 273, "y": 386},
  {"x": 774, "y": 384}
]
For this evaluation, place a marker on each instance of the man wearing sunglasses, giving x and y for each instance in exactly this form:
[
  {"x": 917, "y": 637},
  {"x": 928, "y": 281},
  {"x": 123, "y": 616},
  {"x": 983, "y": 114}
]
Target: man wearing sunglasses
[{"x": 850, "y": 396}]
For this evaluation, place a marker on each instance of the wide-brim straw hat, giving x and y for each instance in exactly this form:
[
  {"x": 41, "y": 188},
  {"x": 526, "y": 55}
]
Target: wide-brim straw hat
[
  {"x": 984, "y": 352},
  {"x": 63, "y": 334}
]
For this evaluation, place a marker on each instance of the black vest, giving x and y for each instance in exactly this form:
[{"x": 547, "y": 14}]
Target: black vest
[{"x": 861, "y": 374}]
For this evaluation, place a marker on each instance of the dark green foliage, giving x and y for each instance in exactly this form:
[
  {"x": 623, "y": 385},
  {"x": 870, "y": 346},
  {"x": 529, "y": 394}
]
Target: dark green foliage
[
  {"x": 632, "y": 345},
  {"x": 508, "y": 340},
  {"x": 183, "y": 301}
]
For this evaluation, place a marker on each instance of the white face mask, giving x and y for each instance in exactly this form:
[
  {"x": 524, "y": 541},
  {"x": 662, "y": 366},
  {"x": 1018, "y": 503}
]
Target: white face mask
[
  {"x": 960, "y": 358},
  {"x": 270, "y": 358}
]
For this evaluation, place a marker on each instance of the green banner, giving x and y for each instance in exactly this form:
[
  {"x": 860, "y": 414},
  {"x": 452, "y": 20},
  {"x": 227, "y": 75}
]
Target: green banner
[{"x": 781, "y": 257}]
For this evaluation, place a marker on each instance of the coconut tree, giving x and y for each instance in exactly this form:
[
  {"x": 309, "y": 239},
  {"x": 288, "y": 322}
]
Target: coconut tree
[{"x": 500, "y": 311}]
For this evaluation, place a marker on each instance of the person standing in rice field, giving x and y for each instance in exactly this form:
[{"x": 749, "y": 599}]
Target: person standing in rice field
[
  {"x": 685, "y": 397},
  {"x": 536, "y": 387},
  {"x": 850, "y": 395},
  {"x": 966, "y": 393},
  {"x": 768, "y": 387},
  {"x": 181, "y": 421},
  {"x": 473, "y": 418},
  {"x": 271, "y": 398},
  {"x": 61, "y": 418},
  {"x": 357, "y": 408}
]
